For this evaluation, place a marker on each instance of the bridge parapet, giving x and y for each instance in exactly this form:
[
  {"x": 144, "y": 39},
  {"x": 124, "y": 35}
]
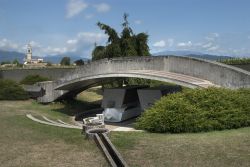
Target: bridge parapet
[
  {"x": 186, "y": 71},
  {"x": 218, "y": 73}
]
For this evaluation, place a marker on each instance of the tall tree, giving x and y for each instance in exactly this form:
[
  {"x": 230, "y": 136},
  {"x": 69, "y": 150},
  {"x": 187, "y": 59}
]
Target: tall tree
[
  {"x": 125, "y": 44},
  {"x": 98, "y": 53},
  {"x": 65, "y": 61},
  {"x": 79, "y": 62}
]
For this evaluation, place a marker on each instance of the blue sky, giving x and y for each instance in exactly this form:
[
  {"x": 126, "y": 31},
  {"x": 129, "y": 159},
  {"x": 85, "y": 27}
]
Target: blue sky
[{"x": 68, "y": 27}]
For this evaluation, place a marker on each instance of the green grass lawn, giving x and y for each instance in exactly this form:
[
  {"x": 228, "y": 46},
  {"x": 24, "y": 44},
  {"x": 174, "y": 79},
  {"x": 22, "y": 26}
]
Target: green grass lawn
[
  {"x": 27, "y": 143},
  {"x": 215, "y": 149},
  {"x": 91, "y": 95}
]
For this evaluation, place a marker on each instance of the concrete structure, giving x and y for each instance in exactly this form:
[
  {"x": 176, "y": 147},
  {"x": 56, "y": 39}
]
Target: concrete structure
[
  {"x": 242, "y": 66},
  {"x": 148, "y": 96},
  {"x": 121, "y": 103},
  {"x": 17, "y": 74},
  {"x": 185, "y": 71},
  {"x": 29, "y": 61},
  {"x": 34, "y": 91}
]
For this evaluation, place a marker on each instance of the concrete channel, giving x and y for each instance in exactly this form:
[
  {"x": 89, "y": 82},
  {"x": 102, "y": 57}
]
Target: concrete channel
[{"x": 111, "y": 153}]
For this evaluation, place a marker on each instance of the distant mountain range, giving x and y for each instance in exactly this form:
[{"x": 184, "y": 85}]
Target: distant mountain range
[
  {"x": 55, "y": 59},
  {"x": 10, "y": 56},
  {"x": 192, "y": 54}
]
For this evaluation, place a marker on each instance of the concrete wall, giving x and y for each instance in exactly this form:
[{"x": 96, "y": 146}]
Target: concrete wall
[
  {"x": 19, "y": 74},
  {"x": 188, "y": 69},
  {"x": 242, "y": 66},
  {"x": 50, "y": 93},
  {"x": 217, "y": 73}
]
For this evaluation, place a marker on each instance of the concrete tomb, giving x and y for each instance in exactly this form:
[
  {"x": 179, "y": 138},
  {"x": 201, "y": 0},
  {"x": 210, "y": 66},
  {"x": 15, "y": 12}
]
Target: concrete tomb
[
  {"x": 121, "y": 103},
  {"x": 148, "y": 96}
]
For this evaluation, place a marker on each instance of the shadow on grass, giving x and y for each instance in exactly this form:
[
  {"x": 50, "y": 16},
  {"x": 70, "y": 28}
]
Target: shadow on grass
[{"x": 73, "y": 107}]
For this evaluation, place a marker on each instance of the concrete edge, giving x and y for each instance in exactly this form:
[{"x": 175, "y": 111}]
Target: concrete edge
[{"x": 50, "y": 123}]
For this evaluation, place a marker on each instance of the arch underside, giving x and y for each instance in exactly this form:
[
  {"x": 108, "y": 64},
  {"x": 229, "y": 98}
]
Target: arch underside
[{"x": 180, "y": 79}]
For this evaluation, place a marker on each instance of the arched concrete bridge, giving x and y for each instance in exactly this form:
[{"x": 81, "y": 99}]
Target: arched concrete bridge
[{"x": 186, "y": 71}]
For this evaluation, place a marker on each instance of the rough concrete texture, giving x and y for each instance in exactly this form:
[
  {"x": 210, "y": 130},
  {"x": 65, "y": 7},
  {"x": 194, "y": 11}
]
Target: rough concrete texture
[
  {"x": 50, "y": 93},
  {"x": 185, "y": 71},
  {"x": 19, "y": 74}
]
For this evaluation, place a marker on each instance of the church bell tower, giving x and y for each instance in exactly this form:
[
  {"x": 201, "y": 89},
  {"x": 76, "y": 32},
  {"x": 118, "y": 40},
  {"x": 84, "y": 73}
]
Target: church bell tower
[{"x": 29, "y": 53}]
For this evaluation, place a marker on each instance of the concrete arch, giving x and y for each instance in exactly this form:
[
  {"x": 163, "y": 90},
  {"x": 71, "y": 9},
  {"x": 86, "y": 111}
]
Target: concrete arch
[{"x": 186, "y": 71}]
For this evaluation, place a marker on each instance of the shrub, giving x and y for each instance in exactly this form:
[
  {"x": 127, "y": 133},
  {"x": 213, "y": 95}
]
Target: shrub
[
  {"x": 10, "y": 90},
  {"x": 32, "y": 79},
  {"x": 236, "y": 61},
  {"x": 198, "y": 110}
]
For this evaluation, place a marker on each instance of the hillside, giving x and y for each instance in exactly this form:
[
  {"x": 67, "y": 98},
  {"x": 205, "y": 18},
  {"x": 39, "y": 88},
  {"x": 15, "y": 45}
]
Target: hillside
[
  {"x": 192, "y": 54},
  {"x": 55, "y": 59}
]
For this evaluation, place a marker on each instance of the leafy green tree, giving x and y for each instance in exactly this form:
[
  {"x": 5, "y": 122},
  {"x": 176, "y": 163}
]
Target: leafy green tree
[
  {"x": 98, "y": 53},
  {"x": 65, "y": 61},
  {"x": 125, "y": 44},
  {"x": 15, "y": 62},
  {"x": 141, "y": 44},
  {"x": 79, "y": 62}
]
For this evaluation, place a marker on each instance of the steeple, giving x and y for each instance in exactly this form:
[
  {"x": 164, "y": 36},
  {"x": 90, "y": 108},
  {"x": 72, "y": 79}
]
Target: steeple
[{"x": 29, "y": 53}]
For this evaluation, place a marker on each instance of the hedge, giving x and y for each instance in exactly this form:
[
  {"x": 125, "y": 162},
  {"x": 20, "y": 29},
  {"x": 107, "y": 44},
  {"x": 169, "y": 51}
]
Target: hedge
[
  {"x": 10, "y": 90},
  {"x": 32, "y": 79},
  {"x": 198, "y": 110}
]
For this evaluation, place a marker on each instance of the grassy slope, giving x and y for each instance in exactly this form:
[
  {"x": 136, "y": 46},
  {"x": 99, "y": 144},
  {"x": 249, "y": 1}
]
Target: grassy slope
[
  {"x": 91, "y": 95},
  {"x": 27, "y": 143},
  {"x": 220, "y": 148}
]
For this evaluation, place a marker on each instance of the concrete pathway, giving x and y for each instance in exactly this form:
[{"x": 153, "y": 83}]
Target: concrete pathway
[
  {"x": 60, "y": 123},
  {"x": 53, "y": 123}
]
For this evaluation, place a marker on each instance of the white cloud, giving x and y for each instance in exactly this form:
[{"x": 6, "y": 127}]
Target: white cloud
[
  {"x": 102, "y": 7},
  {"x": 213, "y": 48},
  {"x": 170, "y": 42},
  {"x": 185, "y": 44},
  {"x": 212, "y": 36},
  {"x": 75, "y": 7},
  {"x": 207, "y": 45},
  {"x": 88, "y": 16},
  {"x": 160, "y": 44},
  {"x": 81, "y": 44},
  {"x": 90, "y": 37},
  {"x": 72, "y": 41},
  {"x": 138, "y": 22},
  {"x": 6, "y": 44}
]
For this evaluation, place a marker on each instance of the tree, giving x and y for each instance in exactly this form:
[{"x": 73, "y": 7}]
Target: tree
[
  {"x": 5, "y": 62},
  {"x": 15, "y": 62},
  {"x": 98, "y": 53},
  {"x": 127, "y": 44},
  {"x": 79, "y": 62},
  {"x": 65, "y": 61},
  {"x": 141, "y": 44},
  {"x": 49, "y": 63}
]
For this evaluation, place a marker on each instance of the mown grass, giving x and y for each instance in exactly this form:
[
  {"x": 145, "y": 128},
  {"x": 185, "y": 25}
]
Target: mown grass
[
  {"x": 27, "y": 143},
  {"x": 218, "y": 148},
  {"x": 91, "y": 95}
]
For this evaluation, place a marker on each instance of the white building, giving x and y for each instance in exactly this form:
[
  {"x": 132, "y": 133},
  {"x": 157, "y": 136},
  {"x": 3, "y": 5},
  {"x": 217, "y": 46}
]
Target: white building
[{"x": 28, "y": 59}]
